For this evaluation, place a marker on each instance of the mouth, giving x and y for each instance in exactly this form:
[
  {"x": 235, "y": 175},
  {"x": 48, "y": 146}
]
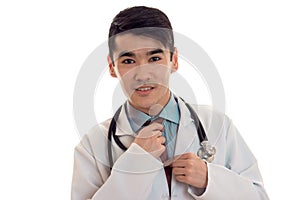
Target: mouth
[{"x": 144, "y": 90}]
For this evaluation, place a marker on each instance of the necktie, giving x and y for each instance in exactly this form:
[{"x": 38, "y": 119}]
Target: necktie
[
  {"x": 164, "y": 156},
  {"x": 168, "y": 169}
]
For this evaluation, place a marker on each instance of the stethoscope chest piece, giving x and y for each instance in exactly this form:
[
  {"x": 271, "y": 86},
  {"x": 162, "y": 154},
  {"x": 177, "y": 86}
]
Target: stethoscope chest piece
[{"x": 206, "y": 151}]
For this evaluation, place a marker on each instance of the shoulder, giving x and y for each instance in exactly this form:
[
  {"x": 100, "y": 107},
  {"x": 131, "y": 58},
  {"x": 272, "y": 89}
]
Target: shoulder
[
  {"x": 207, "y": 111},
  {"x": 93, "y": 145},
  {"x": 95, "y": 137},
  {"x": 208, "y": 114}
]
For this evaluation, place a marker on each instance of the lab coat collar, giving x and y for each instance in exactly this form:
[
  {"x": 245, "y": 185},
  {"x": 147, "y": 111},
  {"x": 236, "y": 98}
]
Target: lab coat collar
[
  {"x": 123, "y": 125},
  {"x": 185, "y": 115},
  {"x": 138, "y": 118}
]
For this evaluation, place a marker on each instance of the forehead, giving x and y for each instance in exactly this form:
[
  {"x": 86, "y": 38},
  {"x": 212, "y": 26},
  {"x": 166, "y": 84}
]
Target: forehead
[{"x": 131, "y": 42}]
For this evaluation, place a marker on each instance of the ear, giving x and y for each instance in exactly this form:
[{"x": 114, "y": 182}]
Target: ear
[
  {"x": 111, "y": 67},
  {"x": 175, "y": 60}
]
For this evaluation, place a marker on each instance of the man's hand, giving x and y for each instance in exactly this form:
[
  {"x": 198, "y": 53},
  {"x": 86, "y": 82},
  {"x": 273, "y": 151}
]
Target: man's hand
[
  {"x": 151, "y": 140},
  {"x": 190, "y": 169}
]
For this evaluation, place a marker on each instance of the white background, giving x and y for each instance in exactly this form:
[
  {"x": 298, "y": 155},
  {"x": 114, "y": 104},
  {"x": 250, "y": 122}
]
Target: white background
[{"x": 254, "y": 44}]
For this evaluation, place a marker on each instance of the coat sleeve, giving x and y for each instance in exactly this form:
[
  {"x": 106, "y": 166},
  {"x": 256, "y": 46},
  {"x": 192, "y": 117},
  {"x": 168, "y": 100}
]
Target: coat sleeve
[
  {"x": 239, "y": 178},
  {"x": 92, "y": 179}
]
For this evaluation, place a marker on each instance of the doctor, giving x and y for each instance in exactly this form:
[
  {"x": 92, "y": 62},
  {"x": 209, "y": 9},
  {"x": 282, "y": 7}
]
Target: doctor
[{"x": 156, "y": 128}]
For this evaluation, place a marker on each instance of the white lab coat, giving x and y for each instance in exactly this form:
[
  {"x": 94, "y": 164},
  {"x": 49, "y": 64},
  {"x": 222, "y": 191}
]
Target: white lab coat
[{"x": 136, "y": 174}]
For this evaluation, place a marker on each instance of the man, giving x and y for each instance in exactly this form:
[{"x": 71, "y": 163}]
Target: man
[{"x": 154, "y": 150}]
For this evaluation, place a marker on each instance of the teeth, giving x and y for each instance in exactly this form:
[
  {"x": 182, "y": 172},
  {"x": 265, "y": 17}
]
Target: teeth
[{"x": 144, "y": 89}]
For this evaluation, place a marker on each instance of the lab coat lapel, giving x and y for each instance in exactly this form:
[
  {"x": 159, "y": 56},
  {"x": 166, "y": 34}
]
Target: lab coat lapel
[
  {"x": 124, "y": 132},
  {"x": 123, "y": 126},
  {"x": 187, "y": 133},
  {"x": 187, "y": 138},
  {"x": 187, "y": 141},
  {"x": 126, "y": 136}
]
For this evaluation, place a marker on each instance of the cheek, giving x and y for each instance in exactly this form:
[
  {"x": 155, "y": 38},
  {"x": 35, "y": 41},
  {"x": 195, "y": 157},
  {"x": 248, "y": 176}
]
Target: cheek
[
  {"x": 126, "y": 83},
  {"x": 126, "y": 86},
  {"x": 163, "y": 75}
]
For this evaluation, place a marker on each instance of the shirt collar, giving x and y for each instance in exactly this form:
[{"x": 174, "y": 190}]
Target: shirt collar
[{"x": 137, "y": 118}]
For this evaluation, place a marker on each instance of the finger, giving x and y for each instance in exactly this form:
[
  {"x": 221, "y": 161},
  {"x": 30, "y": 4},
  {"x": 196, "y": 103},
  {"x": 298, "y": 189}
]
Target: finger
[
  {"x": 145, "y": 134},
  {"x": 183, "y": 179},
  {"x": 155, "y": 126},
  {"x": 179, "y": 163},
  {"x": 189, "y": 163},
  {"x": 157, "y": 153},
  {"x": 161, "y": 140},
  {"x": 181, "y": 160},
  {"x": 186, "y": 156},
  {"x": 178, "y": 171},
  {"x": 152, "y": 127},
  {"x": 157, "y": 134},
  {"x": 147, "y": 131}
]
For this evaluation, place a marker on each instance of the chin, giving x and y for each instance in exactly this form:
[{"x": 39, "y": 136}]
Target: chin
[
  {"x": 143, "y": 105},
  {"x": 146, "y": 104}
]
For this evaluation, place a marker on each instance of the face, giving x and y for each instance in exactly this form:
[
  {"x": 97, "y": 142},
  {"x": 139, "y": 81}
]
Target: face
[{"x": 143, "y": 66}]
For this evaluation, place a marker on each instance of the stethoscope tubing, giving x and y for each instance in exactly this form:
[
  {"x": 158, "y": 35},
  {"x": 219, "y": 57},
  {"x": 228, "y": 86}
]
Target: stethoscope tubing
[{"x": 113, "y": 126}]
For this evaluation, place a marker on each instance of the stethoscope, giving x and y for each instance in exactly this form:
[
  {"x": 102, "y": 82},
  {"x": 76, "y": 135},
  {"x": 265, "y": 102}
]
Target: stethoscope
[{"x": 205, "y": 152}]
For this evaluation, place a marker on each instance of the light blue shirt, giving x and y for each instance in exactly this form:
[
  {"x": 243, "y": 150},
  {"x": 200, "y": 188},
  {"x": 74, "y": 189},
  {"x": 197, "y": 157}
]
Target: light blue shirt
[{"x": 170, "y": 114}]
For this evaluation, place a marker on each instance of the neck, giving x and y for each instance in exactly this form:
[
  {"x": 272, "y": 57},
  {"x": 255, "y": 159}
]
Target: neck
[{"x": 157, "y": 108}]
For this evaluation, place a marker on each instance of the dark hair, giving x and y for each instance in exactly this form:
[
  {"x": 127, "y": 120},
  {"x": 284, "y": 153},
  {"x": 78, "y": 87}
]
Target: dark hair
[{"x": 142, "y": 20}]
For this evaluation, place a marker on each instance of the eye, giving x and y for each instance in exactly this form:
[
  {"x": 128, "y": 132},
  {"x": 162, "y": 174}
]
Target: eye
[
  {"x": 128, "y": 61},
  {"x": 154, "y": 59}
]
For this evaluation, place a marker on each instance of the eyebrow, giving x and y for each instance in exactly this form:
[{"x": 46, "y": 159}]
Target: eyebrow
[
  {"x": 131, "y": 54},
  {"x": 155, "y": 51},
  {"x": 126, "y": 54}
]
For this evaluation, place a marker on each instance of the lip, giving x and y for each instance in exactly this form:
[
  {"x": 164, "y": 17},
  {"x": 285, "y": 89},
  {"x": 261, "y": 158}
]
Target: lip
[{"x": 144, "y": 90}]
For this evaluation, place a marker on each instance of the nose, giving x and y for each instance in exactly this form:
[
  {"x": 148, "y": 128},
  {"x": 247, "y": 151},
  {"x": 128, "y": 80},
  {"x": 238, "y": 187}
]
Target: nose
[{"x": 142, "y": 73}]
